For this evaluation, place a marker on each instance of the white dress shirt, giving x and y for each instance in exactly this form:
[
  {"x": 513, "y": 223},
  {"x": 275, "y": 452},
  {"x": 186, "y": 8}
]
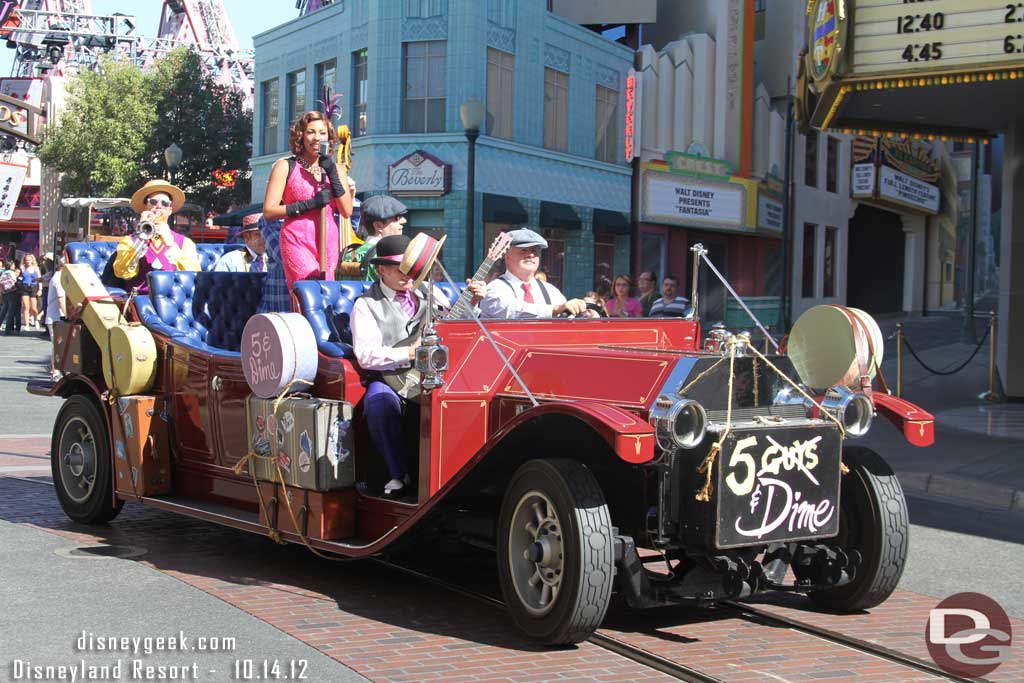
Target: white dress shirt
[
  {"x": 367, "y": 340},
  {"x": 503, "y": 301}
]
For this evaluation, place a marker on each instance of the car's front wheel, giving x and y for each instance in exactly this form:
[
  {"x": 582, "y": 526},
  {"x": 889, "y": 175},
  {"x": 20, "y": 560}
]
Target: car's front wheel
[
  {"x": 874, "y": 522},
  {"x": 555, "y": 551}
]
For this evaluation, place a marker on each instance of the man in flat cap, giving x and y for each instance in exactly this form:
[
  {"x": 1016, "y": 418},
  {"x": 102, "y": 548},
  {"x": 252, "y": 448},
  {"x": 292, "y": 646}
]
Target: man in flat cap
[
  {"x": 382, "y": 215},
  {"x": 519, "y": 293},
  {"x": 252, "y": 258}
]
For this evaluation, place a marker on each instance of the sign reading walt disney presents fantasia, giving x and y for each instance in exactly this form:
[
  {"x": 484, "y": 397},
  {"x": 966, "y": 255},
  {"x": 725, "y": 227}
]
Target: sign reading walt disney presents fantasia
[
  {"x": 895, "y": 173},
  {"x": 419, "y": 175}
]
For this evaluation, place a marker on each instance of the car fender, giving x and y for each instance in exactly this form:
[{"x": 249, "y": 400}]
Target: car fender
[
  {"x": 917, "y": 424},
  {"x": 631, "y": 437}
]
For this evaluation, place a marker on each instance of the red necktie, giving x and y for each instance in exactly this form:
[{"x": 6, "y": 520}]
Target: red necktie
[{"x": 527, "y": 294}]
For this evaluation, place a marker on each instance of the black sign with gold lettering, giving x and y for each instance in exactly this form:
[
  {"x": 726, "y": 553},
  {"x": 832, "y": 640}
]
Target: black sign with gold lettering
[{"x": 777, "y": 484}]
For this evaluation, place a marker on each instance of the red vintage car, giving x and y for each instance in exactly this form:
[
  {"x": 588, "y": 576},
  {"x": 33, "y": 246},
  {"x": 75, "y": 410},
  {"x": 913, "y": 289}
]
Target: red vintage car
[{"x": 575, "y": 449}]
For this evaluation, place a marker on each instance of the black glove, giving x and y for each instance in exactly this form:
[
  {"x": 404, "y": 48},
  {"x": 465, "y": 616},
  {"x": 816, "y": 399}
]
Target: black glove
[
  {"x": 331, "y": 169},
  {"x": 320, "y": 199}
]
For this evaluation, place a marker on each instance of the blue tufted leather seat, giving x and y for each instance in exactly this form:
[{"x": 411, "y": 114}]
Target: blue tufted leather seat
[
  {"x": 202, "y": 311},
  {"x": 328, "y": 307},
  {"x": 99, "y": 256},
  {"x": 209, "y": 254}
]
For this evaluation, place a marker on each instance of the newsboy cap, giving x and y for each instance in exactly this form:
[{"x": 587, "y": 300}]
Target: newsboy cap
[
  {"x": 381, "y": 207},
  {"x": 524, "y": 237}
]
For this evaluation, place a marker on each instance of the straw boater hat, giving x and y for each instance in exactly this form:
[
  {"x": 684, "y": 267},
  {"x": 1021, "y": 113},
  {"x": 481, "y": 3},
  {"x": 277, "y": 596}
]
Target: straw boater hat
[
  {"x": 413, "y": 257},
  {"x": 175, "y": 193},
  {"x": 419, "y": 257}
]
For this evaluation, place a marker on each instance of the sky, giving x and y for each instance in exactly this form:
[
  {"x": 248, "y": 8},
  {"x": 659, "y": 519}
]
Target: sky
[{"x": 249, "y": 17}]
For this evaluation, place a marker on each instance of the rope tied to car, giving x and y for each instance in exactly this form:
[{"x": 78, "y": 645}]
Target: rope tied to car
[
  {"x": 706, "y": 466},
  {"x": 704, "y": 495}
]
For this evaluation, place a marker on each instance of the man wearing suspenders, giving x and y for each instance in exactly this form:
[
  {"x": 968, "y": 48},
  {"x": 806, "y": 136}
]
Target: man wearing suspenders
[{"x": 518, "y": 293}]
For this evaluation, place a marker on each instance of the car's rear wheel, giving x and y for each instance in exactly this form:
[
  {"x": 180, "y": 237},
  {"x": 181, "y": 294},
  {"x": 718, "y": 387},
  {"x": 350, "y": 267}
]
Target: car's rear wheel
[
  {"x": 874, "y": 522},
  {"x": 555, "y": 551},
  {"x": 80, "y": 462}
]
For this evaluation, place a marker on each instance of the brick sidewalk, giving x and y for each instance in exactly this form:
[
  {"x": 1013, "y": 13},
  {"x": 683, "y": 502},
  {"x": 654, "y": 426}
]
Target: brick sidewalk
[{"x": 389, "y": 627}]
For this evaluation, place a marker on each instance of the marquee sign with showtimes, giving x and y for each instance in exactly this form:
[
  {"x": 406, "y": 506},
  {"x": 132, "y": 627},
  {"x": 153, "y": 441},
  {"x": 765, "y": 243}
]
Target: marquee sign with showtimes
[
  {"x": 892, "y": 35},
  {"x": 935, "y": 69}
]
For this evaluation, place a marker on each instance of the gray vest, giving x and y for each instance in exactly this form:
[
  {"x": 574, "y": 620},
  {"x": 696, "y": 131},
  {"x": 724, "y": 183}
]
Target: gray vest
[{"x": 395, "y": 328}]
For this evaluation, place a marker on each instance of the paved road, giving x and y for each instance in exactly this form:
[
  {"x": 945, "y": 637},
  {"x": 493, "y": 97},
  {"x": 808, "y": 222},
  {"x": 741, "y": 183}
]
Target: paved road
[{"x": 22, "y": 359}]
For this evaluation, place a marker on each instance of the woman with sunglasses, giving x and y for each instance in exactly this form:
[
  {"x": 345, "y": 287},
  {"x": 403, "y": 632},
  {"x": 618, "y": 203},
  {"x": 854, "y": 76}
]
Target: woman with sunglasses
[{"x": 166, "y": 250}]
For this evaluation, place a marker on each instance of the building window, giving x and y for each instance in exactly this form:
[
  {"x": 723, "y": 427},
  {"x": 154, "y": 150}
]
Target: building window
[
  {"x": 607, "y": 111},
  {"x": 296, "y": 95},
  {"x": 832, "y": 170},
  {"x": 809, "y": 260},
  {"x": 271, "y": 113},
  {"x": 326, "y": 76},
  {"x": 829, "y": 268},
  {"x": 552, "y": 259},
  {"x": 556, "y": 110},
  {"x": 424, "y": 106},
  {"x": 811, "y": 159},
  {"x": 604, "y": 259},
  {"x": 759, "y": 13},
  {"x": 360, "y": 61},
  {"x": 501, "y": 68}
]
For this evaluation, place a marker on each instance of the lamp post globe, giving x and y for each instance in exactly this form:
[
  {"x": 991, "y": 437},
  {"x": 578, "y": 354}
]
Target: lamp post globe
[
  {"x": 472, "y": 113},
  {"x": 172, "y": 157}
]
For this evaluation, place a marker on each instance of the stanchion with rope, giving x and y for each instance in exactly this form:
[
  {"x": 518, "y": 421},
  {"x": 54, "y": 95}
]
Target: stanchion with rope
[{"x": 992, "y": 394}]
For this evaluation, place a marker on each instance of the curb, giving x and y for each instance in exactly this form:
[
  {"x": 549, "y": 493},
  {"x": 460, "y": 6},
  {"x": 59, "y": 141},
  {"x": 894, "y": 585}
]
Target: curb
[{"x": 948, "y": 487}]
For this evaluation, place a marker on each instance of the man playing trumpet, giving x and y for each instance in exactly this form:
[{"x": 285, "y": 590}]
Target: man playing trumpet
[{"x": 159, "y": 249}]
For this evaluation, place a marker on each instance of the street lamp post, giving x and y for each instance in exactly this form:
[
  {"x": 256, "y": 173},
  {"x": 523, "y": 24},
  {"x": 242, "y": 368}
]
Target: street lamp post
[
  {"x": 472, "y": 113},
  {"x": 172, "y": 157}
]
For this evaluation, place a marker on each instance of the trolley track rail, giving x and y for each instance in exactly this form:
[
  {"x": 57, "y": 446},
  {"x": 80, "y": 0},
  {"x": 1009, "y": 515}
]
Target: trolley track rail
[{"x": 753, "y": 614}]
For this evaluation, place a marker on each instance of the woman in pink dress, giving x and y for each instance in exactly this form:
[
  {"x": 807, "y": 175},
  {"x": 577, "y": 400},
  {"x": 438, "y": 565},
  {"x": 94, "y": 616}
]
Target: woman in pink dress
[
  {"x": 621, "y": 304},
  {"x": 298, "y": 191}
]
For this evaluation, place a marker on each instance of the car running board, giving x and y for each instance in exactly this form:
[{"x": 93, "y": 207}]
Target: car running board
[{"x": 250, "y": 521}]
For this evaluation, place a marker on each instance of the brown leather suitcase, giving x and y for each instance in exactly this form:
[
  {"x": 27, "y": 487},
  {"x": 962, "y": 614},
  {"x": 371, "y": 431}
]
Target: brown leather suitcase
[
  {"x": 142, "y": 463},
  {"x": 327, "y": 516},
  {"x": 74, "y": 349}
]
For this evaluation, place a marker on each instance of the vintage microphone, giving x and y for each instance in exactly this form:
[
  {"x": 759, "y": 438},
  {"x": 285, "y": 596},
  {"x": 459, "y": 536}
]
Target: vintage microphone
[{"x": 325, "y": 150}]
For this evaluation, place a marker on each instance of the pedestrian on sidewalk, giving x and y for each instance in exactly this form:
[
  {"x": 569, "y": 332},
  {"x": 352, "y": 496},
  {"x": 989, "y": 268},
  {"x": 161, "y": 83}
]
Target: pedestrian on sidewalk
[
  {"x": 30, "y": 286},
  {"x": 10, "y": 288},
  {"x": 56, "y": 309}
]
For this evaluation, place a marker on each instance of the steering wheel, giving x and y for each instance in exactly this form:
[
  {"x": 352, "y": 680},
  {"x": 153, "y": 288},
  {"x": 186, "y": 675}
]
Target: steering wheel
[{"x": 590, "y": 307}]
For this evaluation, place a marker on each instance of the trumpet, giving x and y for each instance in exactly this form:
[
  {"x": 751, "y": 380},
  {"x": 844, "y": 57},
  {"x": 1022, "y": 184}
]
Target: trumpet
[{"x": 146, "y": 230}]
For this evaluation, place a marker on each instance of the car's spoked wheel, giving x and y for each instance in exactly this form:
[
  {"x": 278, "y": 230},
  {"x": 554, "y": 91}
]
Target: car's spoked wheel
[
  {"x": 874, "y": 522},
  {"x": 555, "y": 551},
  {"x": 536, "y": 535},
  {"x": 80, "y": 463}
]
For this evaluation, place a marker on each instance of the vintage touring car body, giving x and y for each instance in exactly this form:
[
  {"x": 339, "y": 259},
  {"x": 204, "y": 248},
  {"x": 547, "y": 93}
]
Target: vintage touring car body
[{"x": 578, "y": 450}]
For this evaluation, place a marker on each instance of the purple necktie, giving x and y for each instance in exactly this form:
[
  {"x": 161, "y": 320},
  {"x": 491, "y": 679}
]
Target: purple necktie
[{"x": 408, "y": 302}]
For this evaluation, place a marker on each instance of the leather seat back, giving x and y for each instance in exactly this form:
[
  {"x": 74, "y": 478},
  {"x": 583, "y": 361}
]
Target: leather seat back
[{"x": 204, "y": 311}]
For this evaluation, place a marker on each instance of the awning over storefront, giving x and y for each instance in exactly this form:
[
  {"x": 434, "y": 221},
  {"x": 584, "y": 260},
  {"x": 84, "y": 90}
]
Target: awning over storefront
[
  {"x": 501, "y": 209},
  {"x": 613, "y": 222},
  {"x": 235, "y": 217},
  {"x": 555, "y": 215}
]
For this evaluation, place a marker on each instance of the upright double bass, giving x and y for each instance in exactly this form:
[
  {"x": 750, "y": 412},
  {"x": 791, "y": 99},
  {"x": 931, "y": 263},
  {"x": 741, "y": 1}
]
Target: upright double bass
[{"x": 347, "y": 236}]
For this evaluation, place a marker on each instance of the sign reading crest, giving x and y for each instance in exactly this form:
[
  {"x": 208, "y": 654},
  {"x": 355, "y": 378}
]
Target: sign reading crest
[{"x": 419, "y": 175}]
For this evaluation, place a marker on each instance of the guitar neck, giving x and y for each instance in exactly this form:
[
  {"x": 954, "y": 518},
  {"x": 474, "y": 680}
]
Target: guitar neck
[{"x": 461, "y": 308}]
